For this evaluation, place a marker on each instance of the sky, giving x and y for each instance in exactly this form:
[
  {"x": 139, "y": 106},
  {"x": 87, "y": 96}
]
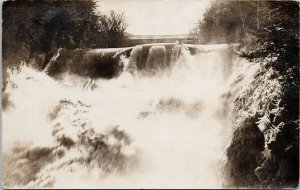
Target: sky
[{"x": 158, "y": 17}]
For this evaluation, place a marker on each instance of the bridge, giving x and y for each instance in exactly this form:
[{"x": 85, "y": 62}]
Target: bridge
[{"x": 133, "y": 40}]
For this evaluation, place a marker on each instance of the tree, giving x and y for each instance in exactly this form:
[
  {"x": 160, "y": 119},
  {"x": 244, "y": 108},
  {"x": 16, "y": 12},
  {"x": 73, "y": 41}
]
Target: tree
[
  {"x": 113, "y": 27},
  {"x": 37, "y": 28},
  {"x": 265, "y": 27},
  {"x": 43, "y": 26}
]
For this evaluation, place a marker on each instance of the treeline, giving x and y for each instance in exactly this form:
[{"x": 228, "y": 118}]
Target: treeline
[
  {"x": 262, "y": 27},
  {"x": 33, "y": 27}
]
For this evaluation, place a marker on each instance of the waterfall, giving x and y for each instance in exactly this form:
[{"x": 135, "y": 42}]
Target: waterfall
[{"x": 168, "y": 129}]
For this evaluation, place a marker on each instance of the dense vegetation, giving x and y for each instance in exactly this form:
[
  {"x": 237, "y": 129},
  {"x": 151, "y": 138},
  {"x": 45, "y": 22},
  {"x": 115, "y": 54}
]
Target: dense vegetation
[
  {"x": 264, "y": 151},
  {"x": 37, "y": 28}
]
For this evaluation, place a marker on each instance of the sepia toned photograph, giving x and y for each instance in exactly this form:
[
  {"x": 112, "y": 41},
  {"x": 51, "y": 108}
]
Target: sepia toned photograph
[{"x": 150, "y": 94}]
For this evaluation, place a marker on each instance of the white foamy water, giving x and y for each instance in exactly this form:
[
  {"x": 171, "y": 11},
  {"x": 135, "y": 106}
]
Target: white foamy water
[{"x": 175, "y": 122}]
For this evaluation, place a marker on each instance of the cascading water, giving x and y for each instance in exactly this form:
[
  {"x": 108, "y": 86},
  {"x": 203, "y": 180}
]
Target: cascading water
[{"x": 166, "y": 129}]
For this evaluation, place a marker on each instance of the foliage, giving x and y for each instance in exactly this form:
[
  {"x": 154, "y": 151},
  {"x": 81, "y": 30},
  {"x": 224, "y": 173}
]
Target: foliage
[
  {"x": 43, "y": 26},
  {"x": 113, "y": 26},
  {"x": 263, "y": 27},
  {"x": 37, "y": 28},
  {"x": 222, "y": 22}
]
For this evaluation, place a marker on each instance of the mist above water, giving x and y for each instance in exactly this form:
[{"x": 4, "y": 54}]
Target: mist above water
[{"x": 169, "y": 129}]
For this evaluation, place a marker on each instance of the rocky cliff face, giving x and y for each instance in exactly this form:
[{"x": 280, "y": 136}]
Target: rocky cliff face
[{"x": 264, "y": 151}]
